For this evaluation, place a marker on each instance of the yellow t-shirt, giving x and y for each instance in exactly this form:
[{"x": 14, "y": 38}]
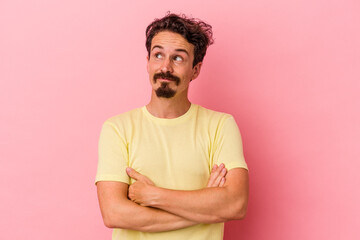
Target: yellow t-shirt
[{"x": 175, "y": 153}]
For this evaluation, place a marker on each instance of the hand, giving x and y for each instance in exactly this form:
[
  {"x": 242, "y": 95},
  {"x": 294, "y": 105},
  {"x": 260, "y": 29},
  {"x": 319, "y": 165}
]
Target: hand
[
  {"x": 141, "y": 191},
  {"x": 217, "y": 176}
]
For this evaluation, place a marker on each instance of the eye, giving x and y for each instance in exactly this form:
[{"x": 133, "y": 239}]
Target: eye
[
  {"x": 178, "y": 59},
  {"x": 158, "y": 55}
]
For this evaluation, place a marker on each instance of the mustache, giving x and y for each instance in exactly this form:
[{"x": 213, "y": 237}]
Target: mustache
[{"x": 167, "y": 76}]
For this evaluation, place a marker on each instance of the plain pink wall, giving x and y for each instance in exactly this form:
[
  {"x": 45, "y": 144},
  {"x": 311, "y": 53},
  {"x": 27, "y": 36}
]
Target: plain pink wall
[{"x": 287, "y": 70}]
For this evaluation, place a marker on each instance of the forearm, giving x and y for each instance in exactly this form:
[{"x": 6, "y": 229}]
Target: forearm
[
  {"x": 129, "y": 215},
  {"x": 208, "y": 205}
]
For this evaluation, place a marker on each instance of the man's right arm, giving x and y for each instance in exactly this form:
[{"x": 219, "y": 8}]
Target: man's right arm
[{"x": 120, "y": 212}]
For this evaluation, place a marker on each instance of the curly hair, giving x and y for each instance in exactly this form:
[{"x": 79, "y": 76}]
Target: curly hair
[{"x": 195, "y": 31}]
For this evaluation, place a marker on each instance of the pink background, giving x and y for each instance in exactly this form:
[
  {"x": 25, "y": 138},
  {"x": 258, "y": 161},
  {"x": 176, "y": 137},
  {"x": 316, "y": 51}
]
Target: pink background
[{"x": 287, "y": 70}]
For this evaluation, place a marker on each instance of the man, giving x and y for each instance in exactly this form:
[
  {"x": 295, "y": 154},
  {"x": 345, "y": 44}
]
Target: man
[{"x": 161, "y": 172}]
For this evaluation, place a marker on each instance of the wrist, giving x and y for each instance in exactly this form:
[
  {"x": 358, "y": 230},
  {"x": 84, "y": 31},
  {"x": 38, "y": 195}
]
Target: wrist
[{"x": 158, "y": 194}]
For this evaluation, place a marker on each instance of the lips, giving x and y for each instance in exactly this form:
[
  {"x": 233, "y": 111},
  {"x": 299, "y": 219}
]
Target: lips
[{"x": 166, "y": 79}]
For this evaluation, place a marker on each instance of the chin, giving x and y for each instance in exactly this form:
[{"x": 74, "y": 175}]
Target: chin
[{"x": 165, "y": 91}]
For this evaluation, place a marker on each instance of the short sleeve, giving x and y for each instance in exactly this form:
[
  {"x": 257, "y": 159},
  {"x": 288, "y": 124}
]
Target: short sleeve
[
  {"x": 113, "y": 155},
  {"x": 228, "y": 147}
]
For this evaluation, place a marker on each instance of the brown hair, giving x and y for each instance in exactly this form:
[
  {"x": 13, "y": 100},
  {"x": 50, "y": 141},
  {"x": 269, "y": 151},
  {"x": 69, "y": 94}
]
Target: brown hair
[{"x": 195, "y": 31}]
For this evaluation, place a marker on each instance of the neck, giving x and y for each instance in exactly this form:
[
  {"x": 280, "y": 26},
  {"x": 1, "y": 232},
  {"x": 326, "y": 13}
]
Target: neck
[{"x": 168, "y": 107}]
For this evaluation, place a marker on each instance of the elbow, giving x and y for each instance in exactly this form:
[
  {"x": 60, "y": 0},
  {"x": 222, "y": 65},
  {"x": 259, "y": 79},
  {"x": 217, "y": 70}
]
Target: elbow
[
  {"x": 112, "y": 221},
  {"x": 240, "y": 211},
  {"x": 108, "y": 222},
  {"x": 237, "y": 211}
]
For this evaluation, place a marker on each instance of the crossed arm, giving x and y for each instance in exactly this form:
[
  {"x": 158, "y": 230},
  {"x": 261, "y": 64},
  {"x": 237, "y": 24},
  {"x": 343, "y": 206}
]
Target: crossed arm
[{"x": 153, "y": 209}]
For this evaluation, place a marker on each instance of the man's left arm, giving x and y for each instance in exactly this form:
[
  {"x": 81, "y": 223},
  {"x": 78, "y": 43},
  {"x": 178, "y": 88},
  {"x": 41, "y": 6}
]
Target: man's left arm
[{"x": 208, "y": 205}]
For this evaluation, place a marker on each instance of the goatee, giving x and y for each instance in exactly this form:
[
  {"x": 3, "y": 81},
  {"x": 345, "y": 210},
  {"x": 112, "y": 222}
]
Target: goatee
[{"x": 165, "y": 91}]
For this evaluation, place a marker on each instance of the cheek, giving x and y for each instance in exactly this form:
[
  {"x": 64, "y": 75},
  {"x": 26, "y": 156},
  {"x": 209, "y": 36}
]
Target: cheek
[
  {"x": 153, "y": 68},
  {"x": 188, "y": 75}
]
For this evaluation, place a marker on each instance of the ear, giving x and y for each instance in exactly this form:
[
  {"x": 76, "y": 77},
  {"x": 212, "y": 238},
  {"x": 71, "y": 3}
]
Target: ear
[
  {"x": 196, "y": 70},
  {"x": 147, "y": 63}
]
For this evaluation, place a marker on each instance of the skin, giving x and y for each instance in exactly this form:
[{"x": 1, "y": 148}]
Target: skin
[
  {"x": 154, "y": 209},
  {"x": 208, "y": 205},
  {"x": 170, "y": 52},
  {"x": 115, "y": 206}
]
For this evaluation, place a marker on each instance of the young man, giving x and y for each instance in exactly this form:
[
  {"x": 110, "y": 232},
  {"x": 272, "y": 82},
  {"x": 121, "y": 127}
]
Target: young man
[{"x": 161, "y": 171}]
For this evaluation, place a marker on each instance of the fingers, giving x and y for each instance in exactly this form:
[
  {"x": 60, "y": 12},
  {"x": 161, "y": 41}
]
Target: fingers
[
  {"x": 222, "y": 182},
  {"x": 214, "y": 168},
  {"x": 133, "y": 174},
  {"x": 217, "y": 173},
  {"x": 137, "y": 176},
  {"x": 213, "y": 176},
  {"x": 220, "y": 177}
]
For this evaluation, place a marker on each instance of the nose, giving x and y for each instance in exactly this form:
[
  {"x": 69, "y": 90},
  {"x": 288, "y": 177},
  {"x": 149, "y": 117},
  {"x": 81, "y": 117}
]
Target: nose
[{"x": 166, "y": 65}]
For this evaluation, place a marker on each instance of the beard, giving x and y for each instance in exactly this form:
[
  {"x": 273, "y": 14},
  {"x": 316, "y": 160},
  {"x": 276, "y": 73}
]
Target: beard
[{"x": 164, "y": 90}]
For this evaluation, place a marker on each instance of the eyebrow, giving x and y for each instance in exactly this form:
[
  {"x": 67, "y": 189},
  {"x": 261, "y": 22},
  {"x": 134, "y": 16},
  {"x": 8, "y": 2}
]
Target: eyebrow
[
  {"x": 182, "y": 50},
  {"x": 178, "y": 50}
]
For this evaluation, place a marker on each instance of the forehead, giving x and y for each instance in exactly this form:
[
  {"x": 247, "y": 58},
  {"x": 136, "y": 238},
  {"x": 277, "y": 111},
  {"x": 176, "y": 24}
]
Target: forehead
[{"x": 171, "y": 41}]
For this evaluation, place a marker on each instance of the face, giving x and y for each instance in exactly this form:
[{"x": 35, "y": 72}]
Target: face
[{"x": 170, "y": 65}]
